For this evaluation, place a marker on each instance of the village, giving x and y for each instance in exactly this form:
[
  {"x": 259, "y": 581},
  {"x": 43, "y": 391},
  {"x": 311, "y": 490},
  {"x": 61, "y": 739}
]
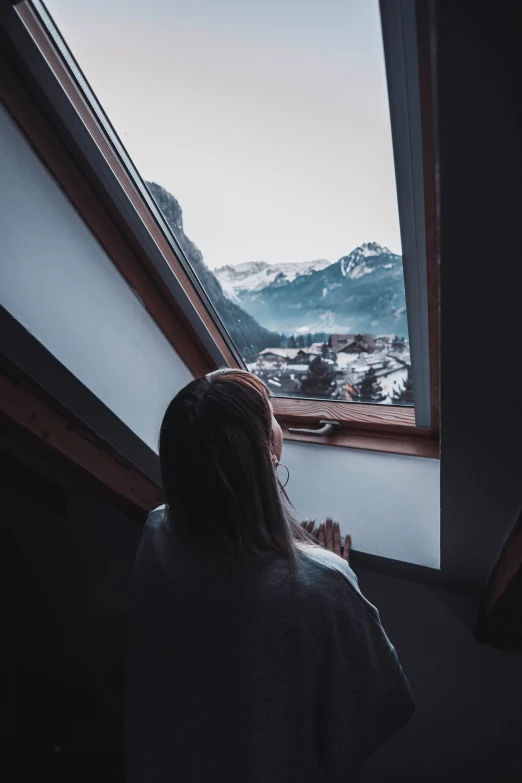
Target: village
[{"x": 351, "y": 367}]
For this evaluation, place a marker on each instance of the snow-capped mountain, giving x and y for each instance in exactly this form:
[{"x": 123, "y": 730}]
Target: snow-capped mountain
[
  {"x": 363, "y": 260},
  {"x": 362, "y": 292},
  {"x": 252, "y": 276}
]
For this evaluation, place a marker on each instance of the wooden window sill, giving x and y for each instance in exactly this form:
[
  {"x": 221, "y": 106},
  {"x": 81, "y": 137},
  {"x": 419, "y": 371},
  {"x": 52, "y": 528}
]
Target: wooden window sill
[
  {"x": 307, "y": 413},
  {"x": 383, "y": 428},
  {"x": 413, "y": 445}
]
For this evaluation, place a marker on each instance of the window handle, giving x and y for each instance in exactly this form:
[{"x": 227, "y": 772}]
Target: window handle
[{"x": 328, "y": 428}]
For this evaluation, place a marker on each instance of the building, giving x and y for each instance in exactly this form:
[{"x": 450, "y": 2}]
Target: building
[
  {"x": 352, "y": 343},
  {"x": 285, "y": 355},
  {"x": 336, "y": 341},
  {"x": 317, "y": 348},
  {"x": 384, "y": 341}
]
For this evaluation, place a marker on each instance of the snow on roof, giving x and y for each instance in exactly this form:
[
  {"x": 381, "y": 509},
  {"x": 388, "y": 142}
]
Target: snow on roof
[{"x": 284, "y": 353}]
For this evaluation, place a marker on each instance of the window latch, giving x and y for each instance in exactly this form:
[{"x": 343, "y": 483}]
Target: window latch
[{"x": 328, "y": 428}]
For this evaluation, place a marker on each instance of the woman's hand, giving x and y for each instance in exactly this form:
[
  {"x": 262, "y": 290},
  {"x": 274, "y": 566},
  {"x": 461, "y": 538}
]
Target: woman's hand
[{"x": 328, "y": 535}]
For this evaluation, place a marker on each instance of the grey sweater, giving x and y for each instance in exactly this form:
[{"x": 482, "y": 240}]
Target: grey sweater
[{"x": 242, "y": 673}]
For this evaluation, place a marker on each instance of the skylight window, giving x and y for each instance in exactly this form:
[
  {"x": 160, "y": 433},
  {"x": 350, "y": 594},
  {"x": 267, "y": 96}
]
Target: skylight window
[{"x": 262, "y": 131}]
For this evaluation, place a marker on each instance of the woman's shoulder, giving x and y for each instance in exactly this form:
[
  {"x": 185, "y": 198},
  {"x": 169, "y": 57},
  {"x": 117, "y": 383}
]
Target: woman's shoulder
[
  {"x": 155, "y": 534},
  {"x": 156, "y": 515},
  {"x": 332, "y": 574},
  {"x": 154, "y": 526},
  {"x": 325, "y": 560}
]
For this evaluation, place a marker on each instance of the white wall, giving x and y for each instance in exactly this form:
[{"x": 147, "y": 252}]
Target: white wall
[
  {"x": 58, "y": 282},
  {"x": 389, "y": 503}
]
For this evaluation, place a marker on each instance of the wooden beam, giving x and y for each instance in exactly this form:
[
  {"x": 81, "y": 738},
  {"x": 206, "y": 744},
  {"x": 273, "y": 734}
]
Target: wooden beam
[{"x": 76, "y": 443}]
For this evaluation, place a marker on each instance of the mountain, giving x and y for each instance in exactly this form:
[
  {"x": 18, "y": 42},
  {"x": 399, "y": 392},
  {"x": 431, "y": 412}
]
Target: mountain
[
  {"x": 239, "y": 279},
  {"x": 362, "y": 292},
  {"x": 247, "y": 334},
  {"x": 365, "y": 259}
]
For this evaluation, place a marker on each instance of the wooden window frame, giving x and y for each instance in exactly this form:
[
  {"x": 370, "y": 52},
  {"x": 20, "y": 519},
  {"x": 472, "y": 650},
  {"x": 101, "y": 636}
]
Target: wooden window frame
[{"x": 53, "y": 106}]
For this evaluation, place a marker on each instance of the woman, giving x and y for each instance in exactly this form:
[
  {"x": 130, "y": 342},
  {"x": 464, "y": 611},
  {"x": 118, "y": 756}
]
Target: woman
[{"x": 253, "y": 657}]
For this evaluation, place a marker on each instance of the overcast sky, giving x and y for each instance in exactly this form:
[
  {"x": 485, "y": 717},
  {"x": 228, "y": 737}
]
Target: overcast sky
[{"x": 267, "y": 120}]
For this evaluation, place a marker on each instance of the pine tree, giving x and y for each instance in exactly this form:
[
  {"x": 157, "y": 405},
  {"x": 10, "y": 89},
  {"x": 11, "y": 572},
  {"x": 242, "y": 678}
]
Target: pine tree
[
  {"x": 404, "y": 394},
  {"x": 369, "y": 389},
  {"x": 319, "y": 337},
  {"x": 320, "y": 378},
  {"x": 397, "y": 343}
]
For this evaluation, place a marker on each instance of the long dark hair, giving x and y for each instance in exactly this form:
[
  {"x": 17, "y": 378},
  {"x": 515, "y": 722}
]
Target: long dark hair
[{"x": 218, "y": 476}]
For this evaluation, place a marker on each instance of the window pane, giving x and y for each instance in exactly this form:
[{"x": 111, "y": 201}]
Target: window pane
[{"x": 263, "y": 133}]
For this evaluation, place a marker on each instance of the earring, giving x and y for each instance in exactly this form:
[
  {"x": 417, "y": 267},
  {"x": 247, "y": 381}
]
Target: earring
[{"x": 287, "y": 473}]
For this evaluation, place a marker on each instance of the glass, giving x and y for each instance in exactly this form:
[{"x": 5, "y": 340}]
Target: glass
[{"x": 262, "y": 131}]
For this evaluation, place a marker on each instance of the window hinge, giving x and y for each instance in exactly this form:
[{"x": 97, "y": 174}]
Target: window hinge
[{"x": 328, "y": 428}]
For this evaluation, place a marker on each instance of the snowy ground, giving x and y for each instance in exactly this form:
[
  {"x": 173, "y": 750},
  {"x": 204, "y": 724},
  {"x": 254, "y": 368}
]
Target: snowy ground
[
  {"x": 393, "y": 381},
  {"x": 284, "y": 379},
  {"x": 344, "y": 359}
]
